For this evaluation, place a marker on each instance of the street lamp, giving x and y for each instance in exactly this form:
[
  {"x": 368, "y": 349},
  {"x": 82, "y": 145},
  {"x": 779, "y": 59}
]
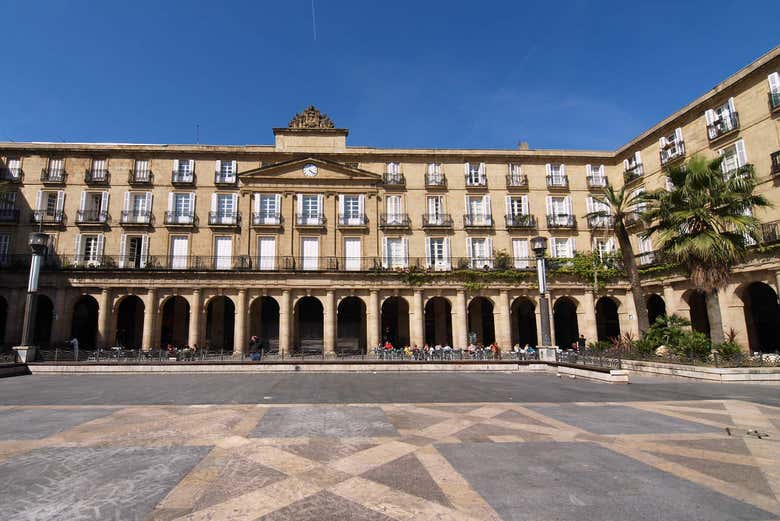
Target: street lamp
[
  {"x": 39, "y": 242},
  {"x": 539, "y": 246}
]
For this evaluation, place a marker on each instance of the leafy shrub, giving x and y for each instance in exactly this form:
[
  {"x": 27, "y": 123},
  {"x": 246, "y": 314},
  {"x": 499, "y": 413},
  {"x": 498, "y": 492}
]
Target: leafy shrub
[
  {"x": 600, "y": 346},
  {"x": 728, "y": 350}
]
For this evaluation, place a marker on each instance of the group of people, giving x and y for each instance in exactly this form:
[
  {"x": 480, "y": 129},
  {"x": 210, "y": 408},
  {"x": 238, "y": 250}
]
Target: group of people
[{"x": 476, "y": 351}]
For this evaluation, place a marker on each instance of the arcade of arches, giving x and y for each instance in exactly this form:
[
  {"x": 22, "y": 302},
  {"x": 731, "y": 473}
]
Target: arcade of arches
[{"x": 353, "y": 321}]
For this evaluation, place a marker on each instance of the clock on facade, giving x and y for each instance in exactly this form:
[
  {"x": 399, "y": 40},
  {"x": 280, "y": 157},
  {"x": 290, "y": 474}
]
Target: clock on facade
[{"x": 310, "y": 170}]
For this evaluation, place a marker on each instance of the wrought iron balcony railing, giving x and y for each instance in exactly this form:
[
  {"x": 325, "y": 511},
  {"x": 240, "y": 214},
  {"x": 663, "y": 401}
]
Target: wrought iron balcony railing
[
  {"x": 774, "y": 101},
  {"x": 723, "y": 126},
  {"x": 597, "y": 181},
  {"x": 558, "y": 181},
  {"x": 266, "y": 218},
  {"x": 175, "y": 218},
  {"x": 520, "y": 221},
  {"x": 9, "y": 215},
  {"x": 182, "y": 178},
  {"x": 221, "y": 179},
  {"x": 633, "y": 173},
  {"x": 561, "y": 220},
  {"x": 96, "y": 176},
  {"x": 437, "y": 220},
  {"x": 308, "y": 219},
  {"x": 141, "y": 176},
  {"x": 53, "y": 176},
  {"x": 394, "y": 220},
  {"x": 11, "y": 175},
  {"x": 91, "y": 217},
  {"x": 770, "y": 232},
  {"x": 353, "y": 220},
  {"x": 516, "y": 181},
  {"x": 47, "y": 217},
  {"x": 600, "y": 221},
  {"x": 435, "y": 180},
  {"x": 646, "y": 258},
  {"x": 136, "y": 217},
  {"x": 775, "y": 163},
  {"x": 476, "y": 181},
  {"x": 393, "y": 179},
  {"x": 672, "y": 152},
  {"x": 478, "y": 220},
  {"x": 225, "y": 218}
]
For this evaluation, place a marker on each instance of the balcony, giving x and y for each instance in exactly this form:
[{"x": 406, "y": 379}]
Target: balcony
[
  {"x": 596, "y": 222},
  {"x": 96, "y": 176},
  {"x": 225, "y": 218},
  {"x": 435, "y": 180},
  {"x": 353, "y": 221},
  {"x": 774, "y": 101},
  {"x": 47, "y": 217},
  {"x": 477, "y": 221},
  {"x": 633, "y": 173},
  {"x": 633, "y": 218},
  {"x": 560, "y": 182},
  {"x": 272, "y": 219},
  {"x": 393, "y": 180},
  {"x": 225, "y": 180},
  {"x": 139, "y": 177},
  {"x": 440, "y": 220},
  {"x": 775, "y": 164},
  {"x": 520, "y": 221},
  {"x": 672, "y": 152},
  {"x": 91, "y": 217},
  {"x": 180, "y": 218},
  {"x": 723, "y": 126},
  {"x": 516, "y": 181},
  {"x": 561, "y": 221},
  {"x": 53, "y": 176},
  {"x": 770, "y": 232},
  {"x": 11, "y": 175},
  {"x": 646, "y": 258},
  {"x": 476, "y": 181},
  {"x": 9, "y": 215},
  {"x": 309, "y": 220},
  {"x": 597, "y": 181},
  {"x": 394, "y": 220},
  {"x": 182, "y": 178},
  {"x": 136, "y": 217}
]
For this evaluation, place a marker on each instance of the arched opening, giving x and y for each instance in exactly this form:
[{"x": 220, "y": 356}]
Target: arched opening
[
  {"x": 656, "y": 307},
  {"x": 130, "y": 323},
  {"x": 3, "y": 320},
  {"x": 84, "y": 324},
  {"x": 762, "y": 316},
  {"x": 264, "y": 323},
  {"x": 44, "y": 315},
  {"x": 308, "y": 334},
  {"x": 438, "y": 322},
  {"x": 481, "y": 327},
  {"x": 220, "y": 323},
  {"x": 567, "y": 330},
  {"x": 395, "y": 321},
  {"x": 351, "y": 327},
  {"x": 607, "y": 321},
  {"x": 697, "y": 303},
  {"x": 524, "y": 322},
  {"x": 175, "y": 323}
]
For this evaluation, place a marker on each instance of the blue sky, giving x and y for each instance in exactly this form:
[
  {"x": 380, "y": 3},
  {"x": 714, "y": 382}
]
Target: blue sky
[{"x": 446, "y": 74}]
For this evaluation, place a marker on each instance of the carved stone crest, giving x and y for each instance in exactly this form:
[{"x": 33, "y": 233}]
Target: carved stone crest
[{"x": 311, "y": 118}]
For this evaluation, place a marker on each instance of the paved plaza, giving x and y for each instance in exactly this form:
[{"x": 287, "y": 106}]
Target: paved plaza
[{"x": 386, "y": 447}]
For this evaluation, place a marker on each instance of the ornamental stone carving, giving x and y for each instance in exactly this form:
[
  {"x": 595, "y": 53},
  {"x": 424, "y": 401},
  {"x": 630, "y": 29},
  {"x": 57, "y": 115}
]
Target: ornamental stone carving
[{"x": 311, "y": 118}]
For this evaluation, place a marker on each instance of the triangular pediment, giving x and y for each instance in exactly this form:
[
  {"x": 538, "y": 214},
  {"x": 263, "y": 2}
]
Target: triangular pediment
[{"x": 310, "y": 170}]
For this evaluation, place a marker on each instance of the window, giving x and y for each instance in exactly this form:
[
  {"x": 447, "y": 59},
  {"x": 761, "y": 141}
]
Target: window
[
  {"x": 133, "y": 251},
  {"x": 480, "y": 252},
  {"x": 56, "y": 168},
  {"x": 49, "y": 205},
  {"x": 181, "y": 208},
  {"x": 559, "y": 211},
  {"x": 394, "y": 208},
  {"x": 437, "y": 253},
  {"x": 99, "y": 170},
  {"x": 393, "y": 168},
  {"x": 434, "y": 175},
  {"x": 7, "y": 200},
  {"x": 393, "y": 175},
  {"x": 185, "y": 167},
  {"x": 225, "y": 171},
  {"x": 93, "y": 206},
  {"x": 5, "y": 248},
  {"x": 721, "y": 119},
  {"x": 641, "y": 206},
  {"x": 475, "y": 174},
  {"x": 517, "y": 205},
  {"x": 141, "y": 171},
  {"x": 137, "y": 207},
  {"x": 774, "y": 90},
  {"x": 556, "y": 174},
  {"x": 266, "y": 253},
  {"x": 352, "y": 254},
  {"x": 478, "y": 212},
  {"x": 268, "y": 209},
  {"x": 671, "y": 146},
  {"x": 593, "y": 206},
  {"x": 646, "y": 254},
  {"x": 520, "y": 254},
  {"x": 89, "y": 250},
  {"x": 562, "y": 248},
  {"x": 734, "y": 158},
  {"x": 395, "y": 252},
  {"x": 223, "y": 253},
  {"x": 603, "y": 247},
  {"x": 633, "y": 166},
  {"x": 352, "y": 210},
  {"x": 310, "y": 209},
  {"x": 179, "y": 251},
  {"x": 595, "y": 175},
  {"x": 515, "y": 175},
  {"x": 183, "y": 170},
  {"x": 14, "y": 168}
]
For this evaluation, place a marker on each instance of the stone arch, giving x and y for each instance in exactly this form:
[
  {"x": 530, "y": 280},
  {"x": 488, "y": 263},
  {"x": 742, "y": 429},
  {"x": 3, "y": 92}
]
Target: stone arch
[
  {"x": 481, "y": 326},
  {"x": 656, "y": 307},
  {"x": 607, "y": 319},
  {"x": 84, "y": 323},
  {"x": 175, "y": 321},
  {"x": 309, "y": 320},
  {"x": 565, "y": 321},
  {"x": 523, "y": 316},
  {"x": 351, "y": 326},
  {"x": 762, "y": 317},
  {"x": 264, "y": 322},
  {"x": 220, "y": 323},
  {"x": 130, "y": 322},
  {"x": 44, "y": 317},
  {"x": 697, "y": 305},
  {"x": 395, "y": 321},
  {"x": 438, "y": 321}
]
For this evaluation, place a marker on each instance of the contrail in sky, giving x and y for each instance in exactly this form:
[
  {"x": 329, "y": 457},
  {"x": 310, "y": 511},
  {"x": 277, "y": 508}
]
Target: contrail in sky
[{"x": 313, "y": 22}]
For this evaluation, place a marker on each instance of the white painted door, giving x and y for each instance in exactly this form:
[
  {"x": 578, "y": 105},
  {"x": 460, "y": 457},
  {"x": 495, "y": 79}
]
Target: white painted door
[
  {"x": 310, "y": 252},
  {"x": 223, "y": 251},
  {"x": 352, "y": 253},
  {"x": 266, "y": 253},
  {"x": 179, "y": 253}
]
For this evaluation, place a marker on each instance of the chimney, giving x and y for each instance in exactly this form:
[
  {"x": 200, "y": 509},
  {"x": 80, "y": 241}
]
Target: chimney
[{"x": 522, "y": 145}]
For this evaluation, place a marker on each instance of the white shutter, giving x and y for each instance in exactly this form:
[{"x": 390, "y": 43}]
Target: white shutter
[
  {"x": 678, "y": 135},
  {"x": 235, "y": 205},
  {"x": 637, "y": 158},
  {"x": 385, "y": 253},
  {"x": 213, "y": 202},
  {"x": 508, "y": 203},
  {"x": 563, "y": 170},
  {"x": 405, "y": 244},
  {"x": 626, "y": 165},
  {"x": 122, "y": 250},
  {"x": 732, "y": 108},
  {"x": 589, "y": 203},
  {"x": 126, "y": 202},
  {"x": 469, "y": 249},
  {"x": 82, "y": 201},
  {"x": 299, "y": 206},
  {"x": 170, "y": 201},
  {"x": 77, "y": 248},
  {"x": 320, "y": 206},
  {"x": 549, "y": 205},
  {"x": 489, "y": 249},
  {"x": 568, "y": 205},
  {"x": 549, "y": 169},
  {"x": 278, "y": 206},
  {"x": 192, "y": 204},
  {"x": 428, "y": 258},
  {"x": 104, "y": 202},
  {"x": 447, "y": 252},
  {"x": 482, "y": 173},
  {"x": 662, "y": 142},
  {"x": 256, "y": 202},
  {"x": 362, "y": 205},
  {"x": 341, "y": 205},
  {"x": 218, "y": 166},
  {"x": 466, "y": 202},
  {"x": 144, "y": 251},
  {"x": 39, "y": 200},
  {"x": 99, "y": 248},
  {"x": 488, "y": 211},
  {"x": 192, "y": 166},
  {"x": 741, "y": 155},
  {"x": 571, "y": 246},
  {"x": 774, "y": 82},
  {"x": 175, "y": 165},
  {"x": 588, "y": 170},
  {"x": 709, "y": 116},
  {"x": 467, "y": 168},
  {"x": 149, "y": 200},
  {"x": 60, "y": 200},
  {"x": 524, "y": 205}
]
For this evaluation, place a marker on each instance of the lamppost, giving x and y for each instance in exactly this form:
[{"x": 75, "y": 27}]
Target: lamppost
[
  {"x": 539, "y": 246},
  {"x": 38, "y": 244}
]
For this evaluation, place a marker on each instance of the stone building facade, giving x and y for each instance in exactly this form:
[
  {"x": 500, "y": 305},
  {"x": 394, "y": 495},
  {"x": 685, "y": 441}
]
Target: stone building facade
[{"x": 314, "y": 245}]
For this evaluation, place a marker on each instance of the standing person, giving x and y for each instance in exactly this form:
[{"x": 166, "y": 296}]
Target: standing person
[
  {"x": 74, "y": 344},
  {"x": 581, "y": 343},
  {"x": 255, "y": 354}
]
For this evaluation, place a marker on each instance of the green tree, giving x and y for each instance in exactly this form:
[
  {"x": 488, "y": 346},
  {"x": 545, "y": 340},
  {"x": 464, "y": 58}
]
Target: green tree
[
  {"x": 623, "y": 208},
  {"x": 704, "y": 223}
]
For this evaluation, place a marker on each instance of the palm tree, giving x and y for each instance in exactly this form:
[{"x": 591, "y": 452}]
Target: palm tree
[
  {"x": 622, "y": 208},
  {"x": 704, "y": 223}
]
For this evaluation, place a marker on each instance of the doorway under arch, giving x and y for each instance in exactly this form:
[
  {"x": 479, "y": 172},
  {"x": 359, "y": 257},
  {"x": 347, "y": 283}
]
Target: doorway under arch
[
  {"x": 524, "y": 322},
  {"x": 697, "y": 303},
  {"x": 482, "y": 329},
  {"x": 175, "y": 322},
  {"x": 438, "y": 322},
  {"x": 607, "y": 320},
  {"x": 656, "y": 308},
  {"x": 44, "y": 316},
  {"x": 309, "y": 320},
  {"x": 130, "y": 323},
  {"x": 220, "y": 323},
  {"x": 762, "y": 317},
  {"x": 84, "y": 325},
  {"x": 567, "y": 329},
  {"x": 264, "y": 323},
  {"x": 3, "y": 320},
  {"x": 351, "y": 326},
  {"x": 395, "y": 321}
]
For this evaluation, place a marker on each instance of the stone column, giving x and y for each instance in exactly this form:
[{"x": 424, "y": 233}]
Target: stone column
[
  {"x": 418, "y": 319},
  {"x": 460, "y": 318},
  {"x": 670, "y": 301},
  {"x": 14, "y": 318},
  {"x": 372, "y": 317},
  {"x": 503, "y": 321},
  {"x": 60, "y": 327},
  {"x": 284, "y": 323},
  {"x": 195, "y": 304},
  {"x": 239, "y": 338},
  {"x": 777, "y": 283},
  {"x": 150, "y": 319},
  {"x": 104, "y": 316},
  {"x": 586, "y": 318},
  {"x": 329, "y": 325},
  {"x": 627, "y": 316}
]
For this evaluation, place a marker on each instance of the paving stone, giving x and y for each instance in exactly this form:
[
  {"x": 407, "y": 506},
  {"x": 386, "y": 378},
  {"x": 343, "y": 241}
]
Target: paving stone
[
  {"x": 36, "y": 424},
  {"x": 408, "y": 475},
  {"x": 728, "y": 445},
  {"x": 483, "y": 432},
  {"x": 327, "y": 449},
  {"x": 325, "y": 506},
  {"x": 412, "y": 420},
  {"x": 516, "y": 417},
  {"x": 324, "y": 421}
]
